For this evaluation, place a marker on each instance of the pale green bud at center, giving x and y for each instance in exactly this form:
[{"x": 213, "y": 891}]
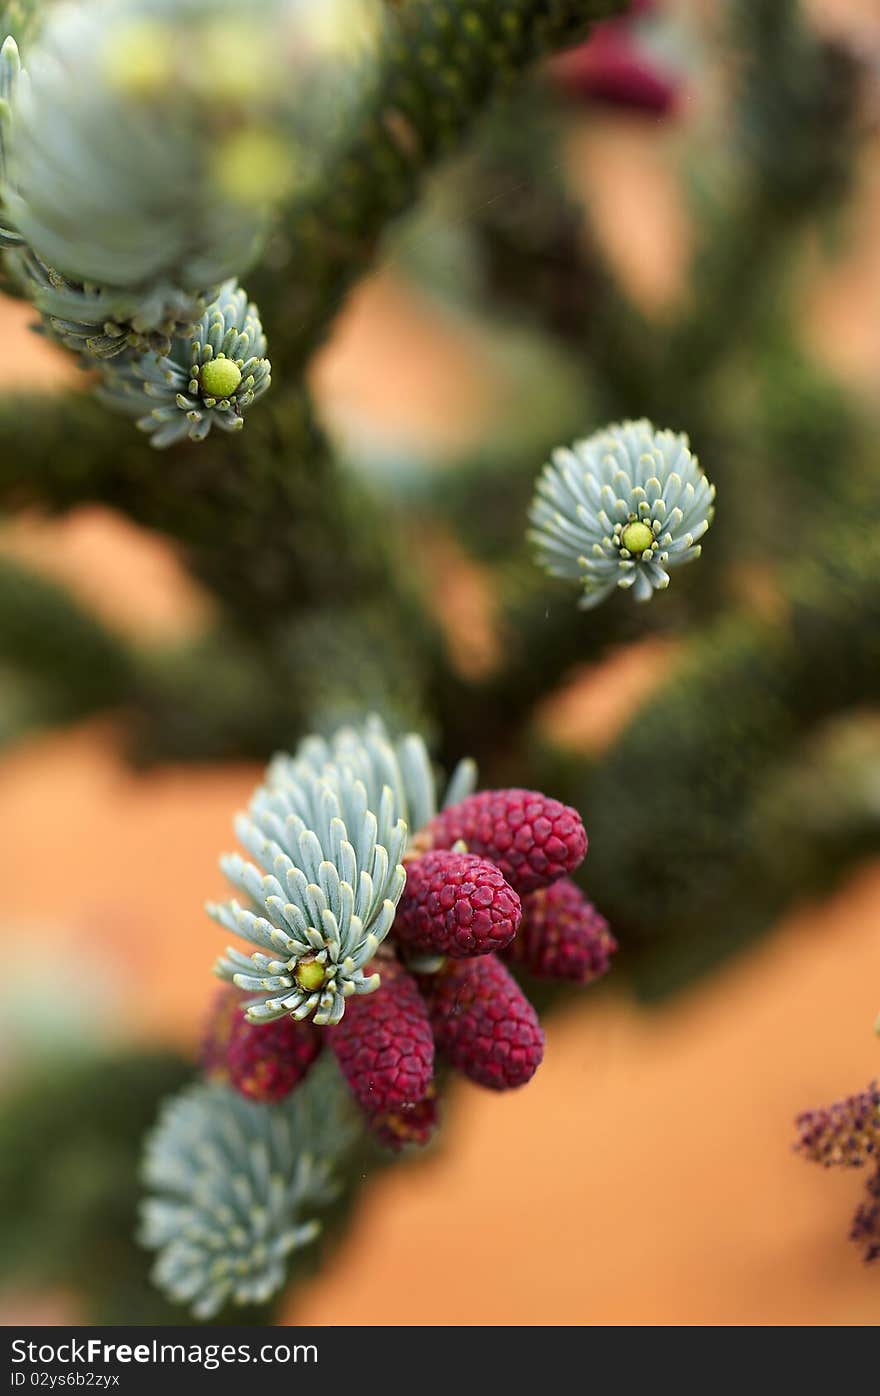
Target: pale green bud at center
[
  {"x": 636, "y": 538},
  {"x": 219, "y": 377}
]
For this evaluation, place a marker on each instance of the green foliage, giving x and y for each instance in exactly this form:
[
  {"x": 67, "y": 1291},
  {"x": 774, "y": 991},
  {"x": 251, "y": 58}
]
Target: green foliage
[
  {"x": 71, "y": 1135},
  {"x": 207, "y": 381},
  {"x": 320, "y": 613},
  {"x": 798, "y": 107},
  {"x": 710, "y": 748},
  {"x": 71, "y": 1152},
  {"x": 20, "y": 18},
  {"x": 236, "y": 1187},
  {"x": 681, "y": 779},
  {"x": 620, "y": 510},
  {"x": 822, "y": 812},
  {"x": 325, "y": 883},
  {"x": 440, "y": 65},
  {"x": 45, "y": 632}
]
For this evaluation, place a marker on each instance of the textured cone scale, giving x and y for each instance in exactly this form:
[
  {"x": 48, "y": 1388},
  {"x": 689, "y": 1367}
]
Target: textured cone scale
[
  {"x": 866, "y": 1222},
  {"x": 384, "y": 1044},
  {"x": 562, "y": 936},
  {"x": 484, "y": 1024},
  {"x": 411, "y": 1124},
  {"x": 846, "y": 1133},
  {"x": 534, "y": 840},
  {"x": 456, "y": 904},
  {"x": 264, "y": 1061}
]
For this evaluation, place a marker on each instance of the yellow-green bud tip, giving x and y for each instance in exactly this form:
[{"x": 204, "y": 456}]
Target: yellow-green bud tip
[
  {"x": 309, "y": 975},
  {"x": 254, "y": 165},
  {"x": 139, "y": 58},
  {"x": 219, "y": 377},
  {"x": 636, "y": 538}
]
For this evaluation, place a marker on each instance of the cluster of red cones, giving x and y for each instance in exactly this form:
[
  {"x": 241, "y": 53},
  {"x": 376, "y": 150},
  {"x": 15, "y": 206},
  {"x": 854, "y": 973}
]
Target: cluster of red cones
[{"x": 490, "y": 882}]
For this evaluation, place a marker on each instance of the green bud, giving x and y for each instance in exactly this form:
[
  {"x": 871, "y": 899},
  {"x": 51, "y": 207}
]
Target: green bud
[
  {"x": 636, "y": 538},
  {"x": 220, "y": 377},
  {"x": 310, "y": 975}
]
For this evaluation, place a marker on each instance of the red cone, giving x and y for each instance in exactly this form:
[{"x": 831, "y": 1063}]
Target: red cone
[
  {"x": 411, "y": 1124},
  {"x": 562, "y": 936},
  {"x": 456, "y": 904},
  {"x": 534, "y": 840},
  {"x": 483, "y": 1023},
  {"x": 263, "y": 1061},
  {"x": 383, "y": 1043}
]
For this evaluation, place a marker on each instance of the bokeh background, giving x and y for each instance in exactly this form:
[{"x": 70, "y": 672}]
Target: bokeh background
[{"x": 646, "y": 1175}]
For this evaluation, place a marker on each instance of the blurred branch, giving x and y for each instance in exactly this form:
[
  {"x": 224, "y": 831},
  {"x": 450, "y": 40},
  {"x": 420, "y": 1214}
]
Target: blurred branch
[
  {"x": 677, "y": 855},
  {"x": 791, "y": 141},
  {"x": 821, "y": 813},
  {"x": 268, "y": 521},
  {"x": 71, "y": 1153},
  {"x": 71, "y": 1133},
  {"x": 45, "y": 633},
  {"x": 277, "y": 531},
  {"x": 442, "y": 64}
]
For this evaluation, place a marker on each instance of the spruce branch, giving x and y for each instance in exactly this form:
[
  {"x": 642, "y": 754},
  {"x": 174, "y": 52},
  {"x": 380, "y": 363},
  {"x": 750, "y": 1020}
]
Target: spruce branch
[
  {"x": 707, "y": 749},
  {"x": 793, "y": 133},
  {"x": 820, "y": 814},
  {"x": 270, "y": 522},
  {"x": 441, "y": 64},
  {"x": 236, "y": 1188},
  {"x": 278, "y": 531},
  {"x": 21, "y": 18},
  {"x": 46, "y": 633},
  {"x": 71, "y": 1133},
  {"x": 325, "y": 881},
  {"x": 620, "y": 509},
  {"x": 209, "y": 380}
]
